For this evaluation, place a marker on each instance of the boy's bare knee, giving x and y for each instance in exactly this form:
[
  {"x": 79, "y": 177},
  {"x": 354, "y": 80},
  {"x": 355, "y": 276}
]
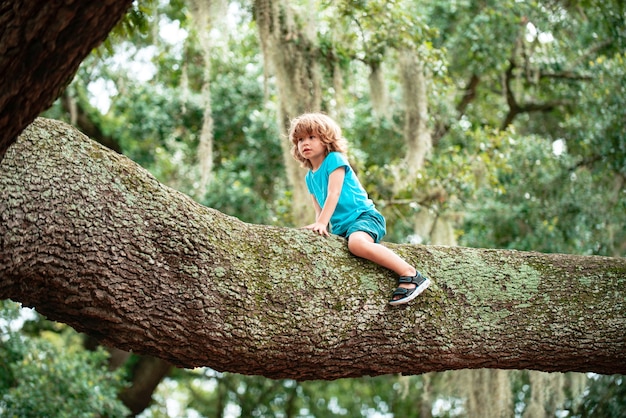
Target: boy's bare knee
[
  {"x": 353, "y": 246},
  {"x": 357, "y": 244}
]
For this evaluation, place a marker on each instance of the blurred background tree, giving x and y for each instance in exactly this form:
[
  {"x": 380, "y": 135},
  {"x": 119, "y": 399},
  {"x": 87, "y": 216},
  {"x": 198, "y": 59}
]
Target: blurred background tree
[{"x": 494, "y": 124}]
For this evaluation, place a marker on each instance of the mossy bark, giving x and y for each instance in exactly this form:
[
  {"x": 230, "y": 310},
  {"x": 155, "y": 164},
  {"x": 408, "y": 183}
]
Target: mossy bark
[{"x": 90, "y": 239}]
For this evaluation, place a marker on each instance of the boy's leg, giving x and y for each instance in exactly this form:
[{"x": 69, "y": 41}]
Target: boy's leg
[
  {"x": 410, "y": 284},
  {"x": 362, "y": 245}
]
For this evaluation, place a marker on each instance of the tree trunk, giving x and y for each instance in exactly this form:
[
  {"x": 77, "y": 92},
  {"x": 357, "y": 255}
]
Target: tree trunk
[
  {"x": 147, "y": 373},
  {"x": 289, "y": 50},
  {"x": 90, "y": 239},
  {"x": 416, "y": 131},
  {"x": 41, "y": 46},
  {"x": 202, "y": 18},
  {"x": 378, "y": 91}
]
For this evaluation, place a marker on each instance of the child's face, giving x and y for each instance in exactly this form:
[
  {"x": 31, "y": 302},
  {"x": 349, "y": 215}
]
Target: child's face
[{"x": 311, "y": 147}]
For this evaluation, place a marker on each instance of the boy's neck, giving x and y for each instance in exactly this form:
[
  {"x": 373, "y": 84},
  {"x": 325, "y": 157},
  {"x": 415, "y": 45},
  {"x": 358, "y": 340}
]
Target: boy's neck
[{"x": 316, "y": 163}]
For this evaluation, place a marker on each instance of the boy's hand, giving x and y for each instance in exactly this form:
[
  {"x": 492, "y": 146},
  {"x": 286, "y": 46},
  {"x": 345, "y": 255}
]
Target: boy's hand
[{"x": 318, "y": 228}]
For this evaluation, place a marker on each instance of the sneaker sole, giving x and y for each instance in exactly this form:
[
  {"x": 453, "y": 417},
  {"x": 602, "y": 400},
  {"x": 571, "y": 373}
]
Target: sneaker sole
[{"x": 413, "y": 295}]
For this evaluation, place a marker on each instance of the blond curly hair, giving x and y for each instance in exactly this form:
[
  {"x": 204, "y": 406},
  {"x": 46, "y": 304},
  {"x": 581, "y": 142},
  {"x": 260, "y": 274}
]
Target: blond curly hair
[{"x": 320, "y": 125}]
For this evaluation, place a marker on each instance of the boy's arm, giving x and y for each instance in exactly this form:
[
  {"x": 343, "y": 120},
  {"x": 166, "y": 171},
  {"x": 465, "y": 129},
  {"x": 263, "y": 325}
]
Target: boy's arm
[
  {"x": 316, "y": 206},
  {"x": 335, "y": 184}
]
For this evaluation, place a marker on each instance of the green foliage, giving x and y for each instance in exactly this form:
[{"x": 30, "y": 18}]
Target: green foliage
[
  {"x": 154, "y": 125},
  {"x": 247, "y": 138},
  {"x": 209, "y": 393},
  {"x": 548, "y": 206},
  {"x": 598, "y": 133},
  {"x": 42, "y": 379},
  {"x": 605, "y": 397},
  {"x": 373, "y": 141},
  {"x": 463, "y": 171},
  {"x": 376, "y": 26},
  {"x": 230, "y": 193},
  {"x": 479, "y": 37},
  {"x": 570, "y": 203},
  {"x": 135, "y": 25}
]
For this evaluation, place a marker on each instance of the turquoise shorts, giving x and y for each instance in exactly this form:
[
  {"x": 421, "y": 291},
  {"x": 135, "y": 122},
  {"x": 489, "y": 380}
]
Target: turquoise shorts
[{"x": 371, "y": 222}]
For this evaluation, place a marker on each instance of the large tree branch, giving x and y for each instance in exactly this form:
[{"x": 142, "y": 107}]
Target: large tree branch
[
  {"x": 41, "y": 46},
  {"x": 90, "y": 239}
]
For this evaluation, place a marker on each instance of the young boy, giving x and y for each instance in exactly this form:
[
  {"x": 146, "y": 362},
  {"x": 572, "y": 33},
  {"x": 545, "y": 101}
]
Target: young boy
[{"x": 340, "y": 200}]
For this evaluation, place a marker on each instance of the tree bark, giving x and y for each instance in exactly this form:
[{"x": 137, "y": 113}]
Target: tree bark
[
  {"x": 42, "y": 43},
  {"x": 90, "y": 239}
]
